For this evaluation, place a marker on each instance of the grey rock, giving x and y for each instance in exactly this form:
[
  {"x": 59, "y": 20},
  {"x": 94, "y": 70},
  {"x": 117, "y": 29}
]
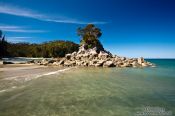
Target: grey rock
[
  {"x": 108, "y": 64},
  {"x": 140, "y": 60},
  {"x": 144, "y": 64},
  {"x": 123, "y": 58},
  {"x": 93, "y": 52},
  {"x": 61, "y": 62},
  {"x": 97, "y": 58},
  {"x": 135, "y": 64},
  {"x": 103, "y": 55},
  {"x": 44, "y": 62},
  {"x": 56, "y": 64},
  {"x": 68, "y": 56}
]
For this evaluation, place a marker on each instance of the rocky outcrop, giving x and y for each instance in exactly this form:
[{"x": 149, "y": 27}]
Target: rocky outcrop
[{"x": 95, "y": 58}]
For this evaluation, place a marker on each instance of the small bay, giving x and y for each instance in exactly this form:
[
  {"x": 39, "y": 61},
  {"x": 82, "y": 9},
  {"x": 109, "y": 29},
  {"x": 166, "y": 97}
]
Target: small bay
[{"x": 93, "y": 92}]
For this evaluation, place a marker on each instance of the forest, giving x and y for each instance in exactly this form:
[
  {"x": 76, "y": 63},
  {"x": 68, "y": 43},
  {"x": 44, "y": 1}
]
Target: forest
[
  {"x": 56, "y": 48},
  {"x": 89, "y": 34}
]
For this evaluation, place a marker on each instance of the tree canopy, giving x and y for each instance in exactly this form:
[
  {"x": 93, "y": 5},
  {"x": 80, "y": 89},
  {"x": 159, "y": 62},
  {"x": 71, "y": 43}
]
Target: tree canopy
[
  {"x": 47, "y": 49},
  {"x": 90, "y": 35}
]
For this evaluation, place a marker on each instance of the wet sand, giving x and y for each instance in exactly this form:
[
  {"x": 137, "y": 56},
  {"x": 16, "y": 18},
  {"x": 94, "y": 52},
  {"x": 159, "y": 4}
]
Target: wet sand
[
  {"x": 11, "y": 70},
  {"x": 12, "y": 75}
]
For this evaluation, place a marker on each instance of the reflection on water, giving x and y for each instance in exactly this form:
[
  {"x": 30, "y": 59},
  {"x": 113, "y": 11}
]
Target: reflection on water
[{"x": 92, "y": 92}]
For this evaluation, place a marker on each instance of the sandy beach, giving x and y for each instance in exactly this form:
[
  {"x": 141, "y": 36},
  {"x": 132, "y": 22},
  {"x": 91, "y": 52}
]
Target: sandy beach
[
  {"x": 9, "y": 67},
  {"x": 25, "y": 70}
]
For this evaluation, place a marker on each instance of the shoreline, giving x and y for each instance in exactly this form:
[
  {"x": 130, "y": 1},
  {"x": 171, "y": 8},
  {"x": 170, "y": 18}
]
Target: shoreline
[
  {"x": 24, "y": 72},
  {"x": 6, "y": 67},
  {"x": 18, "y": 74}
]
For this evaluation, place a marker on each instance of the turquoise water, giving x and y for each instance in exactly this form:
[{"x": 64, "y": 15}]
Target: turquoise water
[{"x": 94, "y": 92}]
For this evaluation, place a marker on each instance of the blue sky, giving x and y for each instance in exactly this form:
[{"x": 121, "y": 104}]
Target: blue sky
[{"x": 131, "y": 28}]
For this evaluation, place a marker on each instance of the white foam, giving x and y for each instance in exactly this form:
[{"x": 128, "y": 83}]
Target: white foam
[
  {"x": 26, "y": 78},
  {"x": 9, "y": 89},
  {"x": 55, "y": 72},
  {"x": 34, "y": 76},
  {"x": 3, "y": 90}
]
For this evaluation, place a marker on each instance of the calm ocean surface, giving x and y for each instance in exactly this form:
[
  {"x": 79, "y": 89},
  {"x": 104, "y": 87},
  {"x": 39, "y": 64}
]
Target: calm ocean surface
[{"x": 94, "y": 92}]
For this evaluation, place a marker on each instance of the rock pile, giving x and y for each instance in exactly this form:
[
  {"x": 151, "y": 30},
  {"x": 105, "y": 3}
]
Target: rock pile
[{"x": 93, "y": 58}]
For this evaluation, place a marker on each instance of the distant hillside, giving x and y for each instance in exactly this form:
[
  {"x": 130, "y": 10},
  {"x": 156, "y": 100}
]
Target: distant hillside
[{"x": 47, "y": 49}]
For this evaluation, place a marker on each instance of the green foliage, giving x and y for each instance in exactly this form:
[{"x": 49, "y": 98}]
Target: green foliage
[
  {"x": 90, "y": 30},
  {"x": 0, "y": 34},
  {"x": 3, "y": 45},
  {"x": 49, "y": 49},
  {"x": 90, "y": 35}
]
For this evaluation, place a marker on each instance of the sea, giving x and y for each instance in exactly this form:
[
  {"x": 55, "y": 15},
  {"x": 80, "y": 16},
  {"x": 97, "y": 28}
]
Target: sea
[{"x": 82, "y": 91}]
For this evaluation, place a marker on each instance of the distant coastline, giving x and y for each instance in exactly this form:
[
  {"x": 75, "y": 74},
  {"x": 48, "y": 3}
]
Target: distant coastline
[{"x": 90, "y": 52}]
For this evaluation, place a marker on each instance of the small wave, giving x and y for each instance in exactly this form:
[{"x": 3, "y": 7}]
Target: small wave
[
  {"x": 9, "y": 89},
  {"x": 55, "y": 72},
  {"x": 34, "y": 76},
  {"x": 26, "y": 78},
  {"x": 3, "y": 90}
]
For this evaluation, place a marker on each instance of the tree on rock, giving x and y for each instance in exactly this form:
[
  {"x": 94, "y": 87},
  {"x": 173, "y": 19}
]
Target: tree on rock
[{"x": 90, "y": 37}]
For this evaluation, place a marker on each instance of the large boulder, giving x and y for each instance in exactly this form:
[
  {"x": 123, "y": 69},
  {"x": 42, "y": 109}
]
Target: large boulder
[
  {"x": 73, "y": 54},
  {"x": 99, "y": 63},
  {"x": 103, "y": 55},
  {"x": 140, "y": 60},
  {"x": 69, "y": 63},
  {"x": 56, "y": 63},
  {"x": 44, "y": 62},
  {"x": 82, "y": 49},
  {"x": 119, "y": 63},
  {"x": 61, "y": 62},
  {"x": 52, "y": 61},
  {"x": 93, "y": 52},
  {"x": 123, "y": 58},
  {"x": 135, "y": 64},
  {"x": 93, "y": 62},
  {"x": 108, "y": 64},
  {"x": 144, "y": 64},
  {"x": 86, "y": 55},
  {"x": 68, "y": 56},
  {"x": 126, "y": 64}
]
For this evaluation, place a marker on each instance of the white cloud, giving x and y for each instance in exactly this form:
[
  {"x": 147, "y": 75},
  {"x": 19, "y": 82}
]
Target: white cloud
[
  {"x": 11, "y": 28},
  {"x": 18, "y": 39},
  {"x": 12, "y": 10}
]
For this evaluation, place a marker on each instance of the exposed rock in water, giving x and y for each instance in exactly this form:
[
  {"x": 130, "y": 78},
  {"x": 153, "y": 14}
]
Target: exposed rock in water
[
  {"x": 44, "y": 62},
  {"x": 140, "y": 60},
  {"x": 100, "y": 58},
  {"x": 108, "y": 64},
  {"x": 96, "y": 58}
]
